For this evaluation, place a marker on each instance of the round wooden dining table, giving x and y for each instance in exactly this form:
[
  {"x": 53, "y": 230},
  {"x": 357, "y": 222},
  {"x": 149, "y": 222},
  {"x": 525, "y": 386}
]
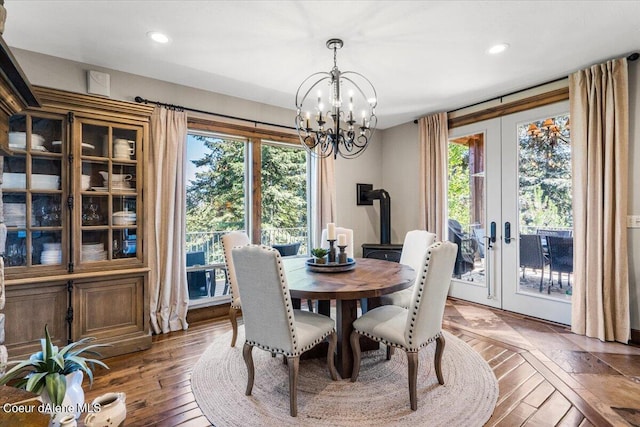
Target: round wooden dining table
[{"x": 370, "y": 279}]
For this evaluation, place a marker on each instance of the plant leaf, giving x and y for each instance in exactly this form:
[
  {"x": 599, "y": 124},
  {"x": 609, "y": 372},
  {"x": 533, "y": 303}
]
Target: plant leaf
[
  {"x": 35, "y": 382},
  {"x": 56, "y": 387}
]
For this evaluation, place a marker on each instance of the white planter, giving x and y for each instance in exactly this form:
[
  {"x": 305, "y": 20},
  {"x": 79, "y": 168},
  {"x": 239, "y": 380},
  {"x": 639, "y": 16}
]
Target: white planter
[{"x": 73, "y": 401}]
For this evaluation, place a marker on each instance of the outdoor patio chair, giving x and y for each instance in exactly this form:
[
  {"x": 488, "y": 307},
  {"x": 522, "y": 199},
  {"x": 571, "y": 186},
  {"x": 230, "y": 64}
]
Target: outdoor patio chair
[
  {"x": 560, "y": 257},
  {"x": 466, "y": 248},
  {"x": 196, "y": 280},
  {"x": 532, "y": 255}
]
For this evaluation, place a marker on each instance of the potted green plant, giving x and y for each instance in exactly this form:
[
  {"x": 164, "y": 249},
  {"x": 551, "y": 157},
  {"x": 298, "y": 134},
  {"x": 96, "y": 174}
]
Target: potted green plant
[
  {"x": 55, "y": 373},
  {"x": 319, "y": 254}
]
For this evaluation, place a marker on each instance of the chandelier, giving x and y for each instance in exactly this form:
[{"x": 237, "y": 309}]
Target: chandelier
[
  {"x": 335, "y": 128},
  {"x": 550, "y": 132}
]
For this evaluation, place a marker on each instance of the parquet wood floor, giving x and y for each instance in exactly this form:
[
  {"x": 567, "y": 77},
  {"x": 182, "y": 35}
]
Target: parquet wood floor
[{"x": 534, "y": 390}]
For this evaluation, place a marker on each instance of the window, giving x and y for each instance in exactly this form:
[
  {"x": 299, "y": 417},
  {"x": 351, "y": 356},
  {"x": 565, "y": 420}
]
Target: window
[{"x": 237, "y": 181}]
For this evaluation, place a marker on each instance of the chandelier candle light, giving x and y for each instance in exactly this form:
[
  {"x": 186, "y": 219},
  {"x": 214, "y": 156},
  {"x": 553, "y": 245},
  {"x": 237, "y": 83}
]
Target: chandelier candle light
[{"x": 344, "y": 135}]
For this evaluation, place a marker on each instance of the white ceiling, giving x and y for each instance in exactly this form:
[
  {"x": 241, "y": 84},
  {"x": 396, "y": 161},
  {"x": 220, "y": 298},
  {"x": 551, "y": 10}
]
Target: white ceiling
[{"x": 422, "y": 56}]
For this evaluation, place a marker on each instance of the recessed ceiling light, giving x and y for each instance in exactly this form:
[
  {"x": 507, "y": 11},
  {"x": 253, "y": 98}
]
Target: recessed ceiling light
[
  {"x": 158, "y": 37},
  {"x": 498, "y": 48}
]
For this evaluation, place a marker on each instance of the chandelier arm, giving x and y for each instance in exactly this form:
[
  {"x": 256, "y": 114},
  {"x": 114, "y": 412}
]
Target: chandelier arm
[
  {"x": 326, "y": 76},
  {"x": 375, "y": 94}
]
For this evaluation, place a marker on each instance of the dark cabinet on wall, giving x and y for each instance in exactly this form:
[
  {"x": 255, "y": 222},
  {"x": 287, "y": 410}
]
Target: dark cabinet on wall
[{"x": 75, "y": 250}]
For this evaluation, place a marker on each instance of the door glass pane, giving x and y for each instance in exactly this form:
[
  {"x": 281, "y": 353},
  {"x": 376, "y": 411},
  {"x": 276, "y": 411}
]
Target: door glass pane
[
  {"x": 466, "y": 205},
  {"x": 284, "y": 198},
  {"x": 546, "y": 220}
]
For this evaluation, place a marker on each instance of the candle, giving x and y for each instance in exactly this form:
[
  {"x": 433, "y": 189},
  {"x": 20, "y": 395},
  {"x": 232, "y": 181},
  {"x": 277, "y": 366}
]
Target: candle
[
  {"x": 331, "y": 231},
  {"x": 342, "y": 240}
]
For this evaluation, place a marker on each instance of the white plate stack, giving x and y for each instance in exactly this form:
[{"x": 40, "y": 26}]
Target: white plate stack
[
  {"x": 14, "y": 180},
  {"x": 45, "y": 182},
  {"x": 15, "y": 214},
  {"x": 52, "y": 253},
  {"x": 93, "y": 252}
]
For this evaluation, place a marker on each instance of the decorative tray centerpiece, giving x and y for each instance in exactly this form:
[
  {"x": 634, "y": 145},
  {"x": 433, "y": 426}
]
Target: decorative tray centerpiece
[{"x": 330, "y": 267}]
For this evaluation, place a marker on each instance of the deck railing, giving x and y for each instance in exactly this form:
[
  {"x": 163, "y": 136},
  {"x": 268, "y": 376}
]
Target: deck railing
[{"x": 210, "y": 242}]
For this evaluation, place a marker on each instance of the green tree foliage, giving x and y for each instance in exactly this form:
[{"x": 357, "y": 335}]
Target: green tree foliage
[
  {"x": 459, "y": 194},
  {"x": 545, "y": 180},
  {"x": 216, "y": 196},
  {"x": 284, "y": 187}
]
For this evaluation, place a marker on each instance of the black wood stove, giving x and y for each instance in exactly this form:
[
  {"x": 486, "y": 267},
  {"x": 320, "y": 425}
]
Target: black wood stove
[{"x": 385, "y": 249}]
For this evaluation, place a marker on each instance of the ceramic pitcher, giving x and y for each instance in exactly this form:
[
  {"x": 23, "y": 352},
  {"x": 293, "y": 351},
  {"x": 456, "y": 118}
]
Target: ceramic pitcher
[{"x": 110, "y": 409}]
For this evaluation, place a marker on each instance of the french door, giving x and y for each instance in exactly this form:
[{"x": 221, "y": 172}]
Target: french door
[{"x": 509, "y": 204}]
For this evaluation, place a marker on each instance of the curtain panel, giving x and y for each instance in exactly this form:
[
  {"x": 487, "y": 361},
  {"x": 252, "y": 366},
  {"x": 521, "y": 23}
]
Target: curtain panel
[
  {"x": 169, "y": 296},
  {"x": 434, "y": 141},
  {"x": 324, "y": 200},
  {"x": 599, "y": 108}
]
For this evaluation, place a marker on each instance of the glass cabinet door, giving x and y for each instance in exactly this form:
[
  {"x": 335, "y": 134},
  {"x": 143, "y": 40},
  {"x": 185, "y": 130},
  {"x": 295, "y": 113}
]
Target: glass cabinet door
[
  {"x": 110, "y": 190},
  {"x": 33, "y": 187}
]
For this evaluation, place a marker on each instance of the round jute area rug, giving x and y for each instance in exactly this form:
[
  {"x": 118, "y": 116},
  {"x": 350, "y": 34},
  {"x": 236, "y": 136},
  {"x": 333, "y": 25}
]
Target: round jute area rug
[{"x": 380, "y": 397}]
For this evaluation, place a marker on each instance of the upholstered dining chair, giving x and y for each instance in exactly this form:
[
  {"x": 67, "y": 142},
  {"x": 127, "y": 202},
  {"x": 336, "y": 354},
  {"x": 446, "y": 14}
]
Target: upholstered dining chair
[
  {"x": 414, "y": 328},
  {"x": 229, "y": 241},
  {"x": 270, "y": 321},
  {"x": 416, "y": 243}
]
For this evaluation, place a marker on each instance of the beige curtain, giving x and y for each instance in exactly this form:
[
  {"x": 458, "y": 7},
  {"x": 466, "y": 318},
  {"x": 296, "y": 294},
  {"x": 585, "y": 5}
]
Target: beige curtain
[
  {"x": 167, "y": 259},
  {"x": 599, "y": 134},
  {"x": 324, "y": 200},
  {"x": 434, "y": 135}
]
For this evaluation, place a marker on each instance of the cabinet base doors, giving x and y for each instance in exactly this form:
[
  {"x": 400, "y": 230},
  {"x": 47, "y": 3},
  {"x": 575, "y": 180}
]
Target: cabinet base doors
[{"x": 112, "y": 311}]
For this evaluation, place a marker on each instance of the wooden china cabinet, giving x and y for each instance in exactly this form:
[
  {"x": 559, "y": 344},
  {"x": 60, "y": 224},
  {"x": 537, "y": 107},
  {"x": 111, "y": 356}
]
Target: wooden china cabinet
[{"x": 72, "y": 192}]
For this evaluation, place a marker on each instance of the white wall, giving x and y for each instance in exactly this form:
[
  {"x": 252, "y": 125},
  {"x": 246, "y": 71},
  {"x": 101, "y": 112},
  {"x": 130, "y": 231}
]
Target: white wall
[
  {"x": 400, "y": 168},
  {"x": 400, "y": 177},
  {"x": 44, "y": 70}
]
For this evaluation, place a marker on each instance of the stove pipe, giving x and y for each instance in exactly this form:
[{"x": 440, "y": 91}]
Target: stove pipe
[{"x": 385, "y": 212}]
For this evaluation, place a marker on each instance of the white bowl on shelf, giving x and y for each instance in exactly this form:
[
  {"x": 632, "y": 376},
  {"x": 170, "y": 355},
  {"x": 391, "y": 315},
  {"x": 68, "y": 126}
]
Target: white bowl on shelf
[
  {"x": 19, "y": 140},
  {"x": 124, "y": 218},
  {"x": 85, "y": 182}
]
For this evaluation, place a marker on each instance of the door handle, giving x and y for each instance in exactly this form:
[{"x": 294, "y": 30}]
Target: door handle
[
  {"x": 492, "y": 235},
  {"x": 507, "y": 232}
]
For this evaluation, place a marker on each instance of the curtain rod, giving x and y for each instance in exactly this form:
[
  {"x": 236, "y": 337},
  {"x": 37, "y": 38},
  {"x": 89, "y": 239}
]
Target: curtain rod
[
  {"x": 140, "y": 99},
  {"x": 632, "y": 57}
]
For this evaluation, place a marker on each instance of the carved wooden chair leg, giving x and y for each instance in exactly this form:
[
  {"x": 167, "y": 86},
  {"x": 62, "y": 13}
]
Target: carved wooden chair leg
[
  {"x": 233, "y": 314},
  {"x": 412, "y": 358},
  {"x": 355, "y": 345},
  {"x": 248, "y": 360},
  {"x": 333, "y": 343},
  {"x": 294, "y": 363},
  {"x": 440, "y": 342},
  {"x": 390, "y": 351}
]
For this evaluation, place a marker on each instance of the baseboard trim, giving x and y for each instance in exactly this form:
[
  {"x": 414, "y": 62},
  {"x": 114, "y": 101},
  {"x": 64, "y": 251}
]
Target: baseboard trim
[{"x": 635, "y": 336}]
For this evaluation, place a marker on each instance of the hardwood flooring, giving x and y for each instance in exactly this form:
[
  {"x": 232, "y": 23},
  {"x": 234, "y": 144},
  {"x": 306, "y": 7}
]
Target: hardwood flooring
[{"x": 547, "y": 376}]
